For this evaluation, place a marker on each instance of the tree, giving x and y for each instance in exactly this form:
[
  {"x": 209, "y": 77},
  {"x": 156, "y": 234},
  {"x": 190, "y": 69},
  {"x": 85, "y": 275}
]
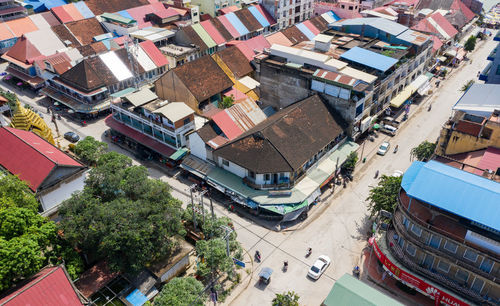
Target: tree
[
  {"x": 350, "y": 162},
  {"x": 89, "y": 150},
  {"x": 16, "y": 193},
  {"x": 226, "y": 102},
  {"x": 385, "y": 195},
  {"x": 181, "y": 291},
  {"x": 122, "y": 215},
  {"x": 470, "y": 44},
  {"x": 289, "y": 298},
  {"x": 423, "y": 151},
  {"x": 214, "y": 256},
  {"x": 467, "y": 85}
]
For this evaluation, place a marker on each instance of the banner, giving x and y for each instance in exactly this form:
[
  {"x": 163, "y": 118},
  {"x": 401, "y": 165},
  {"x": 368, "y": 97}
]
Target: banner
[{"x": 415, "y": 282}]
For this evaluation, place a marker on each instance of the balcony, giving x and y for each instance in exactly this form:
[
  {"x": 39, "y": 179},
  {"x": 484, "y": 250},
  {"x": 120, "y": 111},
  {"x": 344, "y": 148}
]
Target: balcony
[
  {"x": 449, "y": 283},
  {"x": 281, "y": 184},
  {"x": 408, "y": 235}
]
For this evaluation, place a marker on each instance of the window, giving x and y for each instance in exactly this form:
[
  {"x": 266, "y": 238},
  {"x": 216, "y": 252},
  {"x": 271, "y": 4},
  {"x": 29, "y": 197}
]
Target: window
[
  {"x": 225, "y": 163},
  {"x": 486, "y": 265},
  {"x": 410, "y": 249},
  {"x": 470, "y": 255},
  {"x": 416, "y": 230},
  {"x": 498, "y": 70},
  {"x": 251, "y": 174},
  {"x": 401, "y": 242},
  {"x": 450, "y": 246},
  {"x": 443, "y": 266},
  {"x": 406, "y": 222},
  {"x": 462, "y": 275},
  {"x": 267, "y": 177},
  {"x": 435, "y": 242},
  {"x": 477, "y": 285},
  {"x": 187, "y": 120}
]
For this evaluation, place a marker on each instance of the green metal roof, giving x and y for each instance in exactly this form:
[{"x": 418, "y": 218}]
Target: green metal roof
[
  {"x": 179, "y": 154},
  {"x": 123, "y": 92},
  {"x": 204, "y": 35},
  {"x": 350, "y": 291},
  {"x": 118, "y": 18}
]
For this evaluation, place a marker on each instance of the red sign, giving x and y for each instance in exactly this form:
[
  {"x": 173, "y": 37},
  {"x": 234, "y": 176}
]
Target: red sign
[{"x": 416, "y": 282}]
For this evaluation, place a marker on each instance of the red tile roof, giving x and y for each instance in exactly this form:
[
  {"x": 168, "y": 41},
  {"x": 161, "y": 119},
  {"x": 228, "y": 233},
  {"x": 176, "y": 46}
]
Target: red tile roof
[
  {"x": 469, "y": 128},
  {"x": 154, "y": 54},
  {"x": 61, "y": 14},
  {"x": 279, "y": 38},
  {"x": 139, "y": 137},
  {"x": 229, "y": 9},
  {"x": 73, "y": 11},
  {"x": 437, "y": 43},
  {"x": 257, "y": 43},
  {"x": 30, "y": 156},
  {"x": 444, "y": 24},
  {"x": 99, "y": 7},
  {"x": 227, "y": 125},
  {"x": 236, "y": 61},
  {"x": 23, "y": 51},
  {"x": 244, "y": 48},
  {"x": 212, "y": 31},
  {"x": 51, "y": 286},
  {"x": 21, "y": 26},
  {"x": 490, "y": 160}
]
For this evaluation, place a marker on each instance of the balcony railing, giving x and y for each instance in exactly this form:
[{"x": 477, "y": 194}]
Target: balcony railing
[
  {"x": 398, "y": 252},
  {"x": 277, "y": 185},
  {"x": 401, "y": 229}
]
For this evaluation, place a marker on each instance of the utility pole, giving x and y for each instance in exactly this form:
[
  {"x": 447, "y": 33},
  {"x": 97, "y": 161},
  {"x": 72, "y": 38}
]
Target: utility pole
[
  {"x": 192, "y": 205},
  {"x": 211, "y": 206},
  {"x": 202, "y": 207},
  {"x": 228, "y": 232}
]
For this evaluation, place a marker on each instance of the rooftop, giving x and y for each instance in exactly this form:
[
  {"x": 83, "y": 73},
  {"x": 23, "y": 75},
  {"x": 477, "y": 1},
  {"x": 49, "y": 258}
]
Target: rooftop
[
  {"x": 481, "y": 99},
  {"x": 369, "y": 58}
]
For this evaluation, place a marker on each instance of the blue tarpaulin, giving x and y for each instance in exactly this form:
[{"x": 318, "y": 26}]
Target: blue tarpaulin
[
  {"x": 369, "y": 58},
  {"x": 260, "y": 18},
  {"x": 459, "y": 192},
  {"x": 310, "y": 35},
  {"x": 136, "y": 298},
  {"x": 237, "y": 24}
]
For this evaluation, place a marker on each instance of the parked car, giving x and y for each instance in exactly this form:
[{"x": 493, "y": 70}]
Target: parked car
[
  {"x": 384, "y": 147},
  {"x": 319, "y": 267},
  {"x": 390, "y": 121},
  {"x": 388, "y": 129},
  {"x": 71, "y": 136}
]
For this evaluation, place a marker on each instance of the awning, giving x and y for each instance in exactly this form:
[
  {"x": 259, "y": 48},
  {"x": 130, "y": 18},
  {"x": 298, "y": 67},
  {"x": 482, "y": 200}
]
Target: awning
[
  {"x": 442, "y": 58},
  {"x": 179, "y": 154},
  {"x": 33, "y": 81},
  {"x": 139, "y": 137},
  {"x": 123, "y": 92},
  {"x": 402, "y": 96}
]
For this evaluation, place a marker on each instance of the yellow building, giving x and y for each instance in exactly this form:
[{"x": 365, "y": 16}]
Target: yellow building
[{"x": 28, "y": 120}]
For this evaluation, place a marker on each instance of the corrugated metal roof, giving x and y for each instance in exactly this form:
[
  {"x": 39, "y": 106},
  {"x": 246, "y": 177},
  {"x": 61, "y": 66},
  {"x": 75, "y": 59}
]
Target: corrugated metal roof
[
  {"x": 227, "y": 125},
  {"x": 39, "y": 21},
  {"x": 175, "y": 111},
  {"x": 83, "y": 9},
  {"x": 328, "y": 18},
  {"x": 459, "y": 192},
  {"x": 246, "y": 114},
  {"x": 266, "y": 14},
  {"x": 212, "y": 31},
  {"x": 236, "y": 22},
  {"x": 480, "y": 98},
  {"x": 260, "y": 18},
  {"x": 5, "y": 32},
  {"x": 45, "y": 41},
  {"x": 229, "y": 27},
  {"x": 144, "y": 60},
  {"x": 310, "y": 35},
  {"x": 156, "y": 56},
  {"x": 61, "y": 14},
  {"x": 382, "y": 24},
  {"x": 358, "y": 74},
  {"x": 311, "y": 27},
  {"x": 369, "y": 58},
  {"x": 204, "y": 35},
  {"x": 336, "y": 77},
  {"x": 141, "y": 97},
  {"x": 126, "y": 15},
  {"x": 279, "y": 38},
  {"x": 21, "y": 26},
  {"x": 73, "y": 11},
  {"x": 489, "y": 161},
  {"x": 116, "y": 66}
]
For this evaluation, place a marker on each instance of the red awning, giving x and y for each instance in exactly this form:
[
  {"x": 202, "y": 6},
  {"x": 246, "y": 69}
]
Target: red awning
[{"x": 147, "y": 141}]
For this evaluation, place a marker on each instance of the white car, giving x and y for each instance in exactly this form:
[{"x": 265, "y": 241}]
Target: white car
[
  {"x": 319, "y": 267},
  {"x": 397, "y": 173},
  {"x": 384, "y": 147}
]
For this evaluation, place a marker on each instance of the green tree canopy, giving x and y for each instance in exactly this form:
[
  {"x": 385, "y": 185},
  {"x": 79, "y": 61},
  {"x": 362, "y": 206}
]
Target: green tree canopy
[
  {"x": 470, "y": 44},
  {"x": 214, "y": 256},
  {"x": 181, "y": 291},
  {"x": 385, "y": 195},
  {"x": 423, "y": 151},
  {"x": 122, "y": 215},
  {"x": 289, "y": 298},
  {"x": 89, "y": 150},
  {"x": 16, "y": 193},
  {"x": 350, "y": 162},
  {"x": 467, "y": 85},
  {"x": 226, "y": 102}
]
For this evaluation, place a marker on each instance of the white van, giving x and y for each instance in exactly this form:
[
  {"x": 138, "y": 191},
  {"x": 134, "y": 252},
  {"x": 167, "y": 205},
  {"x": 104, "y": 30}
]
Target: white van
[{"x": 388, "y": 129}]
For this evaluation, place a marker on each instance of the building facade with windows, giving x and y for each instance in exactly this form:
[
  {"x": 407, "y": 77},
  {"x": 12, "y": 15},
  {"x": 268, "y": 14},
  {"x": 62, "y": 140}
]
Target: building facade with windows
[
  {"x": 445, "y": 234},
  {"x": 288, "y": 12}
]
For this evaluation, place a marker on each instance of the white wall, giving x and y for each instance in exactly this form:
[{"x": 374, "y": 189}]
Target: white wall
[
  {"x": 51, "y": 199},
  {"x": 197, "y": 146},
  {"x": 233, "y": 168}
]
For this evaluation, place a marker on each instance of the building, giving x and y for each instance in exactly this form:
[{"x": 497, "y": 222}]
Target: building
[
  {"x": 199, "y": 84},
  {"x": 51, "y": 174},
  {"x": 27, "y": 120},
  {"x": 50, "y": 286},
  {"x": 89, "y": 86},
  {"x": 475, "y": 6},
  {"x": 287, "y": 13},
  {"x": 437, "y": 25},
  {"x": 290, "y": 175},
  {"x": 11, "y": 9},
  {"x": 490, "y": 74},
  {"x": 348, "y": 290},
  {"x": 214, "y": 7},
  {"x": 359, "y": 76},
  {"x": 444, "y": 239},
  {"x": 455, "y": 11}
]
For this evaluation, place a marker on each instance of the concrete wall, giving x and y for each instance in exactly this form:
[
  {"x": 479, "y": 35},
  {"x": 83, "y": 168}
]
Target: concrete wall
[
  {"x": 170, "y": 87},
  {"x": 233, "y": 168},
  {"x": 53, "y": 197},
  {"x": 461, "y": 143},
  {"x": 197, "y": 146}
]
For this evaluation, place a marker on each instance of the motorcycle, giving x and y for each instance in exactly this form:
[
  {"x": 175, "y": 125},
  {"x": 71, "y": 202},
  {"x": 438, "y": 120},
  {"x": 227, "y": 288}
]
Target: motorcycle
[
  {"x": 309, "y": 252},
  {"x": 429, "y": 108},
  {"x": 285, "y": 266},
  {"x": 257, "y": 256},
  {"x": 356, "y": 272},
  {"x": 395, "y": 149},
  {"x": 376, "y": 174}
]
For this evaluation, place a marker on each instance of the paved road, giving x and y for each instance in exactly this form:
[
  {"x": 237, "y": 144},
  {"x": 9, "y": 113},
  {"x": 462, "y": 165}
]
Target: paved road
[{"x": 338, "y": 226}]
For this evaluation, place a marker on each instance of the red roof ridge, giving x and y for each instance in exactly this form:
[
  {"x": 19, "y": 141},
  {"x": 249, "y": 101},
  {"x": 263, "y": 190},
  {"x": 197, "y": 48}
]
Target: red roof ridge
[{"x": 29, "y": 285}]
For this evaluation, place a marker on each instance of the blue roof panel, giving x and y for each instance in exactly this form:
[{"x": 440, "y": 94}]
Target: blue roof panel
[
  {"x": 237, "y": 24},
  {"x": 136, "y": 298},
  {"x": 333, "y": 15},
  {"x": 83, "y": 9},
  {"x": 310, "y": 35},
  {"x": 459, "y": 192},
  {"x": 125, "y": 14},
  {"x": 260, "y": 18},
  {"x": 369, "y": 58}
]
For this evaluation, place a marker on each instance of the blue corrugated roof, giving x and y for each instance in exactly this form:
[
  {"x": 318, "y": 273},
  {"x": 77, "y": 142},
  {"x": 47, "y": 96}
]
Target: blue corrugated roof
[
  {"x": 369, "y": 58},
  {"x": 260, "y": 18},
  {"x": 237, "y": 24},
  {"x": 310, "y": 35},
  {"x": 333, "y": 15},
  {"x": 137, "y": 298},
  {"x": 459, "y": 192},
  {"x": 125, "y": 14},
  {"x": 83, "y": 9}
]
